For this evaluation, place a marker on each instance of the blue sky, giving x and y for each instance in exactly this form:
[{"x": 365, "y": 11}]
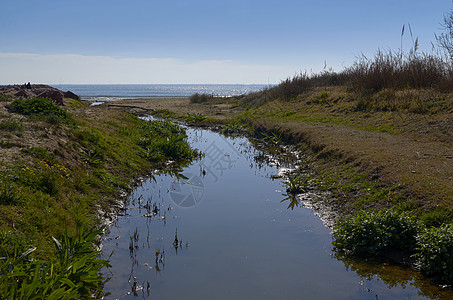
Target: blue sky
[{"x": 175, "y": 41}]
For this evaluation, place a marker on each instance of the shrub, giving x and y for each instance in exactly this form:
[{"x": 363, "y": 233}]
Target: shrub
[
  {"x": 435, "y": 253},
  {"x": 369, "y": 233},
  {"x": 200, "y": 98},
  {"x": 42, "y": 108}
]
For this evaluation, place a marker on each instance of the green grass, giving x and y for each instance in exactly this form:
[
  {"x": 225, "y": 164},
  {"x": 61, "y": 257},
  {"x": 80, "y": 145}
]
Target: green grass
[
  {"x": 73, "y": 275},
  {"x": 43, "y": 109},
  {"x": 192, "y": 118},
  {"x": 371, "y": 233},
  {"x": 11, "y": 125},
  {"x": 51, "y": 189}
]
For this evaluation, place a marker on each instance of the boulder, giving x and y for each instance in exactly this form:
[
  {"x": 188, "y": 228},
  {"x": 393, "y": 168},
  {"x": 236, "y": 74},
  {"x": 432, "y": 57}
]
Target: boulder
[
  {"x": 54, "y": 94},
  {"x": 24, "y": 94},
  {"x": 71, "y": 95}
]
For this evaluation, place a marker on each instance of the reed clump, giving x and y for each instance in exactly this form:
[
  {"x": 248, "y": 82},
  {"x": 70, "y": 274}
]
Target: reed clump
[
  {"x": 201, "y": 98},
  {"x": 388, "y": 71}
]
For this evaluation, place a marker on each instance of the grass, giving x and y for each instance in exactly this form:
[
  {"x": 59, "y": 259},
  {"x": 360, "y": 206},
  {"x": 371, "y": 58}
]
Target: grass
[
  {"x": 73, "y": 275},
  {"x": 41, "y": 108},
  {"x": 372, "y": 233},
  {"x": 61, "y": 182},
  {"x": 11, "y": 125},
  {"x": 192, "y": 118},
  {"x": 379, "y": 83}
]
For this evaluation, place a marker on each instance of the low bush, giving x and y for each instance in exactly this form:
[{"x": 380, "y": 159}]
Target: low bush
[
  {"x": 42, "y": 108},
  {"x": 369, "y": 233},
  {"x": 200, "y": 98},
  {"x": 435, "y": 253}
]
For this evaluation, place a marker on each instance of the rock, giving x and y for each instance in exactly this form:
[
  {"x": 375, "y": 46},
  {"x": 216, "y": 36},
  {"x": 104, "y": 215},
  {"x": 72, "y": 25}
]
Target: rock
[
  {"x": 71, "y": 95},
  {"x": 24, "y": 94},
  {"x": 54, "y": 94}
]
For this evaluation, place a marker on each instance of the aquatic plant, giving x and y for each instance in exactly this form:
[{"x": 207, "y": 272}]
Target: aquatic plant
[
  {"x": 294, "y": 184},
  {"x": 233, "y": 127},
  {"x": 293, "y": 201}
]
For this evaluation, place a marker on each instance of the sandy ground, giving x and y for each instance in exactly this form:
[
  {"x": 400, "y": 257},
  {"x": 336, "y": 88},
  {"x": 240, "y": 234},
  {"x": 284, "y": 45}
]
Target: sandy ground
[{"x": 178, "y": 105}]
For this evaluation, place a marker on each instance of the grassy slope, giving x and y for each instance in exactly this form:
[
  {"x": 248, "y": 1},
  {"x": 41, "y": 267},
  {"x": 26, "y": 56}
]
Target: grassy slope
[{"x": 59, "y": 179}]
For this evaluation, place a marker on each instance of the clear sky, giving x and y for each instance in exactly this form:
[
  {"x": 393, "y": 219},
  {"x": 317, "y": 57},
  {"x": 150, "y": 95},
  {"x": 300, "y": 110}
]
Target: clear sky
[{"x": 201, "y": 41}]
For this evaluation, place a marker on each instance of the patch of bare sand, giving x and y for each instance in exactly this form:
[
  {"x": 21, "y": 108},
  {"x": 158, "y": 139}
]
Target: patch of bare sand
[{"x": 180, "y": 106}]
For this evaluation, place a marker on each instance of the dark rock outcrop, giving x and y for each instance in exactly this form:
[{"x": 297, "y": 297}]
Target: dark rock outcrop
[
  {"x": 54, "y": 94},
  {"x": 71, "y": 95},
  {"x": 24, "y": 94},
  {"x": 29, "y": 91}
]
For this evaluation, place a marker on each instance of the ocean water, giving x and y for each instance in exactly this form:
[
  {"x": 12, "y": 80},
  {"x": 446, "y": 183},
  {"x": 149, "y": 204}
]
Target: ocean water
[{"x": 112, "y": 92}]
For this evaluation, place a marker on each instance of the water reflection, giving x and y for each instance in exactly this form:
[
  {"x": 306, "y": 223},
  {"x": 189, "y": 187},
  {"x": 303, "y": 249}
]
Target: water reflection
[
  {"x": 393, "y": 276},
  {"x": 248, "y": 239},
  {"x": 293, "y": 200}
]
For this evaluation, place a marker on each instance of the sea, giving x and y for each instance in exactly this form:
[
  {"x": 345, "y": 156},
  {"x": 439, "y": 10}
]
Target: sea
[{"x": 112, "y": 92}]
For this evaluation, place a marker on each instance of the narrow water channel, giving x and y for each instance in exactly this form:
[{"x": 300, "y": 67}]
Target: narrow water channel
[{"x": 219, "y": 230}]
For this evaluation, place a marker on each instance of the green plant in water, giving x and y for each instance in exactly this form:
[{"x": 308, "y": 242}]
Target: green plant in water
[
  {"x": 163, "y": 139},
  {"x": 294, "y": 184},
  {"x": 293, "y": 201},
  {"x": 232, "y": 127}
]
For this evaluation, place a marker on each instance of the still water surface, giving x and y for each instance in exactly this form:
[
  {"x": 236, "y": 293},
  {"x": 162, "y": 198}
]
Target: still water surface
[{"x": 222, "y": 232}]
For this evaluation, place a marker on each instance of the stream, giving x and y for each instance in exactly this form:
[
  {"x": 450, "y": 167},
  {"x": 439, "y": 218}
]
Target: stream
[{"x": 218, "y": 229}]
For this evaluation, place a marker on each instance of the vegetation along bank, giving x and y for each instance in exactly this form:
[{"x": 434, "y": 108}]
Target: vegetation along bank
[
  {"x": 379, "y": 141},
  {"x": 64, "y": 169}
]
